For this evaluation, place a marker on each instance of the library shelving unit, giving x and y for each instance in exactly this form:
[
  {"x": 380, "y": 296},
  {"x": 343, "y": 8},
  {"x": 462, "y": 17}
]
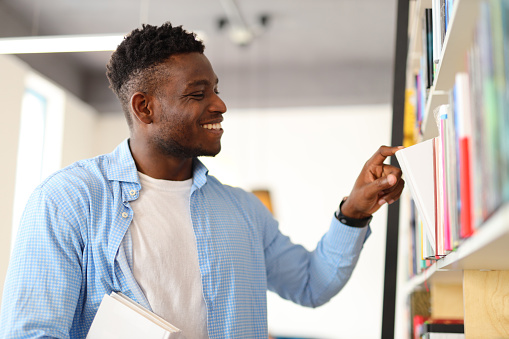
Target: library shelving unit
[{"x": 471, "y": 282}]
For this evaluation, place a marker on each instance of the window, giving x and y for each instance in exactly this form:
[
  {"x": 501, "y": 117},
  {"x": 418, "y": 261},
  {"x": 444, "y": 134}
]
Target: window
[{"x": 40, "y": 140}]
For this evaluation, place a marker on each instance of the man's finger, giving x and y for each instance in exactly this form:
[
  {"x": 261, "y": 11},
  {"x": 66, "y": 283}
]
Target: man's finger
[
  {"x": 380, "y": 184},
  {"x": 392, "y": 194},
  {"x": 383, "y": 152}
]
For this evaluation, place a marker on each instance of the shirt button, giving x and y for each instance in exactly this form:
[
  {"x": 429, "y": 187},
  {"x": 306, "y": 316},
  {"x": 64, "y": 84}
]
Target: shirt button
[
  {"x": 125, "y": 215},
  {"x": 132, "y": 192}
]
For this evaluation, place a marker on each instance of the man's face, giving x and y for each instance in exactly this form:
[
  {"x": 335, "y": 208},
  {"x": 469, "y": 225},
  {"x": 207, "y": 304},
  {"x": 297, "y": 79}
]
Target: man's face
[{"x": 188, "y": 110}]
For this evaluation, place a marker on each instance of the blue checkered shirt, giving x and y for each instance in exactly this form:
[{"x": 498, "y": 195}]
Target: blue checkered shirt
[{"x": 74, "y": 246}]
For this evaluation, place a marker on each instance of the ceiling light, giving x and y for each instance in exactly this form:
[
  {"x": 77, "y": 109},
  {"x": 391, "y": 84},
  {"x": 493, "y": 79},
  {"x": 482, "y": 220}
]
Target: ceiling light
[
  {"x": 60, "y": 43},
  {"x": 65, "y": 43}
]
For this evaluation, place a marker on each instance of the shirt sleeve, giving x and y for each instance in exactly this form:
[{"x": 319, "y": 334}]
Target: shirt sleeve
[
  {"x": 312, "y": 278},
  {"x": 43, "y": 281}
]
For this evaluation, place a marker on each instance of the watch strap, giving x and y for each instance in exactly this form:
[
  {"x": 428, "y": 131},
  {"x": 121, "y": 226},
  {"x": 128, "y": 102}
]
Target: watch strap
[{"x": 351, "y": 221}]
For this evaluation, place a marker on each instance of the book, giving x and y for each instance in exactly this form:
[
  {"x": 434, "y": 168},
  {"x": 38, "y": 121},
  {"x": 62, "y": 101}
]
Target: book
[
  {"x": 442, "y": 330},
  {"x": 417, "y": 165},
  {"x": 120, "y": 317},
  {"x": 452, "y": 169},
  {"x": 434, "y": 335},
  {"x": 440, "y": 191},
  {"x": 419, "y": 302},
  {"x": 451, "y": 160},
  {"x": 428, "y": 17},
  {"x": 463, "y": 115}
]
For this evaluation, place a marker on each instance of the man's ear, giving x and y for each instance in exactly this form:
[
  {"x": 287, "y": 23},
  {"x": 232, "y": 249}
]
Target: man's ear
[{"x": 142, "y": 107}]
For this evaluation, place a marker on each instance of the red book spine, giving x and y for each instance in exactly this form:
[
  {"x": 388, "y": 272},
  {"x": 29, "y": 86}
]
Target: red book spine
[{"x": 465, "y": 189}]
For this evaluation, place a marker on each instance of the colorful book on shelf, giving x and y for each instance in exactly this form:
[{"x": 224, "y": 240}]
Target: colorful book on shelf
[
  {"x": 434, "y": 21},
  {"x": 427, "y": 245},
  {"x": 417, "y": 165},
  {"x": 119, "y": 317},
  {"x": 488, "y": 147},
  {"x": 438, "y": 12},
  {"x": 452, "y": 177},
  {"x": 462, "y": 113},
  {"x": 410, "y": 132},
  {"x": 439, "y": 197},
  {"x": 452, "y": 168},
  {"x": 489, "y": 101},
  {"x": 414, "y": 242},
  {"x": 428, "y": 20},
  {"x": 476, "y": 140},
  {"x": 489, "y": 110},
  {"x": 499, "y": 16},
  {"x": 443, "y": 236},
  {"x": 444, "y": 121}
]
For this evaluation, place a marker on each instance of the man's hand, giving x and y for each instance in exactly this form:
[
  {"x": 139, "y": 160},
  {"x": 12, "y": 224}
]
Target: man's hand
[{"x": 376, "y": 185}]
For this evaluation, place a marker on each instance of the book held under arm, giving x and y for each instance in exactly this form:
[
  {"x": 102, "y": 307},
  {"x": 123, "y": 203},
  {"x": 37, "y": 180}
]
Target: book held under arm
[{"x": 120, "y": 317}]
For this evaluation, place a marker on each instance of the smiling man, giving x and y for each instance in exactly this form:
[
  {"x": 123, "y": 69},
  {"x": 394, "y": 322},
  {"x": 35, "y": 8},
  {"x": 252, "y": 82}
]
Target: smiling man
[{"x": 149, "y": 221}]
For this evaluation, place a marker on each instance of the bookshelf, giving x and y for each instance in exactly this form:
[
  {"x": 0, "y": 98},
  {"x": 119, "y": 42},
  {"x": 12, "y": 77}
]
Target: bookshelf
[{"x": 474, "y": 276}]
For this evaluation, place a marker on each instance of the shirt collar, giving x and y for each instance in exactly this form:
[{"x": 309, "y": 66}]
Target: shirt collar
[
  {"x": 121, "y": 164},
  {"x": 122, "y": 167},
  {"x": 200, "y": 173}
]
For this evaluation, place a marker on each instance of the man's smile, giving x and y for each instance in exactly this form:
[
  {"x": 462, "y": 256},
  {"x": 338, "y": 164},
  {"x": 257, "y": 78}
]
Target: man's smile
[{"x": 216, "y": 126}]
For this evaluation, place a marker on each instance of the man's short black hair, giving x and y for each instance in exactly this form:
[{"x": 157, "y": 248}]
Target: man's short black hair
[{"x": 132, "y": 67}]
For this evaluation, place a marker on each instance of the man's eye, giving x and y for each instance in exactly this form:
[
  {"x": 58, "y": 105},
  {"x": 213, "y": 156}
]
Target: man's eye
[{"x": 197, "y": 95}]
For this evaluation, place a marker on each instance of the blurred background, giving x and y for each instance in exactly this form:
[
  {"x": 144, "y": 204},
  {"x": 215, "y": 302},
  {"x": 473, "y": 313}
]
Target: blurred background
[{"x": 308, "y": 85}]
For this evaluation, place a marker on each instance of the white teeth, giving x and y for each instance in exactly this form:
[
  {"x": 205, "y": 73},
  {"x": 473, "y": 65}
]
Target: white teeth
[{"x": 212, "y": 126}]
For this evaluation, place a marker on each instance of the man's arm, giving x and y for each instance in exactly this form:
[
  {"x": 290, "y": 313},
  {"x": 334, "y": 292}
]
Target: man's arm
[
  {"x": 44, "y": 278},
  {"x": 312, "y": 278}
]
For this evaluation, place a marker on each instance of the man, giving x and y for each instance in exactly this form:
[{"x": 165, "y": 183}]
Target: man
[{"x": 147, "y": 220}]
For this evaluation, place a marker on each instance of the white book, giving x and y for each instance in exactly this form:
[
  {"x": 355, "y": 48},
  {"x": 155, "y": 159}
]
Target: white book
[
  {"x": 417, "y": 165},
  {"x": 120, "y": 317}
]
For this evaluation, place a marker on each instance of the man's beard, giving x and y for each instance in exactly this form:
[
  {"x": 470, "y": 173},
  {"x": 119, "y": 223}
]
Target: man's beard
[{"x": 175, "y": 149}]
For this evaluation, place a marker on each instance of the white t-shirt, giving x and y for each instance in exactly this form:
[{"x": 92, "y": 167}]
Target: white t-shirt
[{"x": 165, "y": 258}]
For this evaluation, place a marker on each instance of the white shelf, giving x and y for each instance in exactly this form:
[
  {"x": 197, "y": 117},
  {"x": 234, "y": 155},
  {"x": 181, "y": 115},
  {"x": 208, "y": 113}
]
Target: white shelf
[
  {"x": 486, "y": 249},
  {"x": 430, "y": 127},
  {"x": 452, "y": 60}
]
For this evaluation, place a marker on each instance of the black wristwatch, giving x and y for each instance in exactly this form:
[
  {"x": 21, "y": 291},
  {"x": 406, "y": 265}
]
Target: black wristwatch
[{"x": 351, "y": 221}]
